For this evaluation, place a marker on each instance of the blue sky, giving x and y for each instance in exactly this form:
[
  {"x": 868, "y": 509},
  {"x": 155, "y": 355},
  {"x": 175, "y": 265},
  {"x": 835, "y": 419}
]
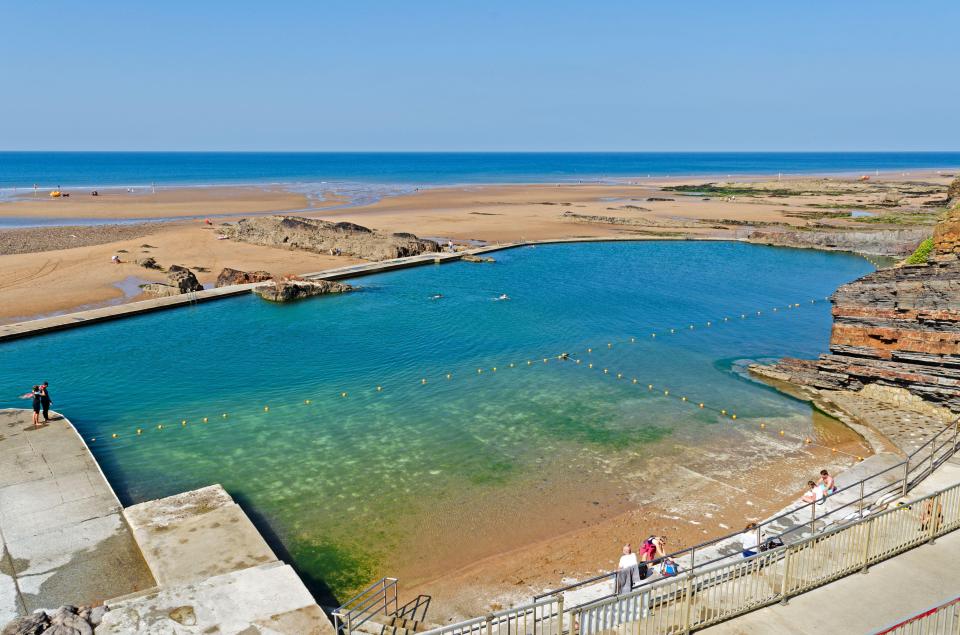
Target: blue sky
[{"x": 452, "y": 75}]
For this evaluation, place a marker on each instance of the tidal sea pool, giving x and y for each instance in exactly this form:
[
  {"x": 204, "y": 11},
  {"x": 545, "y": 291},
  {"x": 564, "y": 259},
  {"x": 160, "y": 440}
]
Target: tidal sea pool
[{"x": 369, "y": 432}]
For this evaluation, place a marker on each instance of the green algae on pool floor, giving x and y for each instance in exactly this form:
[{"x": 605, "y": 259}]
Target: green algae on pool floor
[{"x": 353, "y": 485}]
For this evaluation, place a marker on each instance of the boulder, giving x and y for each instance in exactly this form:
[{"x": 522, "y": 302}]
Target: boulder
[
  {"x": 33, "y": 624},
  {"x": 230, "y": 277},
  {"x": 149, "y": 262},
  {"x": 953, "y": 193},
  {"x": 179, "y": 280},
  {"x": 287, "y": 290},
  {"x": 946, "y": 235},
  {"x": 472, "y": 258},
  {"x": 325, "y": 237}
]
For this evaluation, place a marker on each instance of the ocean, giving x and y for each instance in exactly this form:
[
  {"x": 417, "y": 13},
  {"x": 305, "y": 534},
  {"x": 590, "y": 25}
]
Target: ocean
[{"x": 130, "y": 169}]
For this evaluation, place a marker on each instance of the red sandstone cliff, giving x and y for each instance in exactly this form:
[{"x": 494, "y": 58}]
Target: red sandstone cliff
[{"x": 898, "y": 326}]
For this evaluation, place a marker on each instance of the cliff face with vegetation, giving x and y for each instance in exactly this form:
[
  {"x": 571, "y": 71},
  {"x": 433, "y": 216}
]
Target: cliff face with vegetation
[{"x": 896, "y": 327}]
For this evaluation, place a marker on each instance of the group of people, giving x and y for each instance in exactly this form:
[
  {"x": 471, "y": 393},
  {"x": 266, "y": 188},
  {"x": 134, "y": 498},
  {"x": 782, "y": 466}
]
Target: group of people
[
  {"x": 634, "y": 567},
  {"x": 820, "y": 489},
  {"x": 41, "y": 402}
]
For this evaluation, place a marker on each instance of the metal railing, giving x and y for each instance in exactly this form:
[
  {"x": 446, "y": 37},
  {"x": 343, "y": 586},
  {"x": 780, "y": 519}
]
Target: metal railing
[
  {"x": 944, "y": 618},
  {"x": 695, "y": 600},
  {"x": 870, "y": 494},
  {"x": 380, "y": 598}
]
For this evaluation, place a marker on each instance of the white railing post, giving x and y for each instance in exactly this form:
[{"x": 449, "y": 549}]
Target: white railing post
[
  {"x": 559, "y": 614},
  {"x": 689, "y": 607},
  {"x": 866, "y": 547},
  {"x": 785, "y": 584}
]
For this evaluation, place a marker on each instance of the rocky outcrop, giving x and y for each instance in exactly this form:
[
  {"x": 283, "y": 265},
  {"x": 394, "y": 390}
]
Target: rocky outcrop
[
  {"x": 287, "y": 290},
  {"x": 896, "y": 327},
  {"x": 66, "y": 620},
  {"x": 953, "y": 193},
  {"x": 879, "y": 242},
  {"x": 230, "y": 277},
  {"x": 946, "y": 235},
  {"x": 179, "y": 280},
  {"x": 148, "y": 263},
  {"x": 473, "y": 258},
  {"x": 325, "y": 237}
]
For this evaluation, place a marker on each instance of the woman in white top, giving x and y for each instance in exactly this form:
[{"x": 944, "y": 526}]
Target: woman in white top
[
  {"x": 750, "y": 540},
  {"x": 815, "y": 495}
]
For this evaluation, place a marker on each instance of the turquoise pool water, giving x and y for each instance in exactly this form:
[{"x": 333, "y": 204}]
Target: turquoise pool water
[{"x": 364, "y": 484}]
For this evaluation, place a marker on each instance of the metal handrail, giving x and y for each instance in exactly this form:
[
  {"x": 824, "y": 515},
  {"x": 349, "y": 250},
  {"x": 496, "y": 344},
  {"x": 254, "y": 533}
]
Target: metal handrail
[
  {"x": 905, "y": 485},
  {"x": 814, "y": 561},
  {"x": 365, "y": 604}
]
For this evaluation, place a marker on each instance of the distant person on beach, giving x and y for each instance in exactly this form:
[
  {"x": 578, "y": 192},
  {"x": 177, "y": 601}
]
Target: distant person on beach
[
  {"x": 827, "y": 484},
  {"x": 749, "y": 540},
  {"x": 35, "y": 396},
  {"x": 115, "y": 259},
  {"x": 45, "y": 400},
  {"x": 814, "y": 495},
  {"x": 652, "y": 548}
]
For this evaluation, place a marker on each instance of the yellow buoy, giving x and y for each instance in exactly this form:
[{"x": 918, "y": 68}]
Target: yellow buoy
[
  {"x": 224, "y": 415},
  {"x": 545, "y": 360},
  {"x": 183, "y": 423},
  {"x": 529, "y": 363},
  {"x": 701, "y": 405},
  {"x": 578, "y": 361},
  {"x": 589, "y": 350},
  {"x": 782, "y": 433},
  {"x": 733, "y": 416},
  {"x": 159, "y": 426},
  {"x": 609, "y": 344},
  {"x": 619, "y": 375},
  {"x": 449, "y": 376},
  {"x": 423, "y": 381},
  {"x": 605, "y": 371},
  {"x": 343, "y": 394},
  {"x": 666, "y": 392},
  {"x": 683, "y": 398},
  {"x": 204, "y": 419},
  {"x": 763, "y": 425},
  {"x": 494, "y": 369},
  {"x": 306, "y": 401},
  {"x": 590, "y": 365},
  {"x": 266, "y": 408},
  {"x": 380, "y": 388},
  {"x": 634, "y": 380},
  {"x": 479, "y": 370},
  {"x": 649, "y": 386},
  {"x": 723, "y": 412},
  {"x": 114, "y": 435},
  {"x": 511, "y": 364},
  {"x": 653, "y": 335},
  {"x": 139, "y": 431}
]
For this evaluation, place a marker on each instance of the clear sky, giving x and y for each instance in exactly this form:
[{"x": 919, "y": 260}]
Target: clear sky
[{"x": 484, "y": 75}]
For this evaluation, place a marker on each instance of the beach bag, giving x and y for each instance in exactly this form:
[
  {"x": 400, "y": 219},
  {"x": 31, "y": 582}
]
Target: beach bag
[
  {"x": 771, "y": 543},
  {"x": 669, "y": 568}
]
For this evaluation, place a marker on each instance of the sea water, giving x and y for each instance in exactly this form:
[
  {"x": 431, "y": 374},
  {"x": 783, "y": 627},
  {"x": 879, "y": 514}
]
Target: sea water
[
  {"x": 362, "y": 173},
  {"x": 334, "y": 423}
]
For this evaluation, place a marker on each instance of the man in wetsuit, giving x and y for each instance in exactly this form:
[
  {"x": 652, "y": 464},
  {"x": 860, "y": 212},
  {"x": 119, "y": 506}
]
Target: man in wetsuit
[{"x": 45, "y": 400}]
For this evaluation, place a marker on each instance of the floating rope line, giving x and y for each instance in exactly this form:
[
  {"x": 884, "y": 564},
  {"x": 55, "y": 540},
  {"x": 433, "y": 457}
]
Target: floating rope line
[{"x": 573, "y": 356}]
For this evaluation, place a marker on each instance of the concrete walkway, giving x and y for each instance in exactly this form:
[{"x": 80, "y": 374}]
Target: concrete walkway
[
  {"x": 63, "y": 536},
  {"x": 891, "y": 592}
]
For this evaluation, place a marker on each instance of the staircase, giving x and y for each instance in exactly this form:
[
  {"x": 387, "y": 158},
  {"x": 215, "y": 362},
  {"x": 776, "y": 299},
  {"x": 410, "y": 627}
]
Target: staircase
[{"x": 376, "y": 611}]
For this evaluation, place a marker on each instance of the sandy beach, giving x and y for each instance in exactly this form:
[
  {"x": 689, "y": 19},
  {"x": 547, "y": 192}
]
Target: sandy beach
[{"x": 74, "y": 267}]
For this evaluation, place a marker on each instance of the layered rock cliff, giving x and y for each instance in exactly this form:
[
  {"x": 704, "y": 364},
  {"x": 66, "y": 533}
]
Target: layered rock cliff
[
  {"x": 320, "y": 236},
  {"x": 896, "y": 327}
]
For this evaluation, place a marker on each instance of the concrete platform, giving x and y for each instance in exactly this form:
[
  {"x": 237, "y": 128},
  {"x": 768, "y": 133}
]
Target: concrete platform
[
  {"x": 265, "y": 599},
  {"x": 196, "y": 535},
  {"x": 64, "y": 538}
]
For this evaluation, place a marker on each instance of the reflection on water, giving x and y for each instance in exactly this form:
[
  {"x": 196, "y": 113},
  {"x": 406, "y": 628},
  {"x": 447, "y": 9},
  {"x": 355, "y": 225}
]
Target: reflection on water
[{"x": 353, "y": 479}]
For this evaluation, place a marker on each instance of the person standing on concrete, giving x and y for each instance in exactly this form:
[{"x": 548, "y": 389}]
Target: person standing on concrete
[
  {"x": 45, "y": 400},
  {"x": 35, "y": 396}
]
